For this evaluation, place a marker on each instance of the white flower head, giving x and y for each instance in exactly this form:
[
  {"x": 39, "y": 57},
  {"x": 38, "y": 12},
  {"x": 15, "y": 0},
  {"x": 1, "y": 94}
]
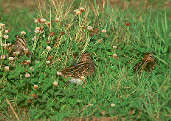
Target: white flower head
[
  {"x": 55, "y": 83},
  {"x": 26, "y": 50},
  {"x": 27, "y": 75},
  {"x": 2, "y": 25},
  {"x": 47, "y": 62},
  {"x": 115, "y": 55},
  {"x": 114, "y": 47},
  {"x": 90, "y": 28},
  {"x": 3, "y": 57},
  {"x": 42, "y": 20},
  {"x": 77, "y": 12},
  {"x": 112, "y": 105},
  {"x": 6, "y": 31},
  {"x": 11, "y": 58},
  {"x": 37, "y": 30},
  {"x": 34, "y": 38},
  {"x": 104, "y": 31},
  {"x": 82, "y": 9},
  {"x": 31, "y": 68},
  {"x": 57, "y": 19},
  {"x": 90, "y": 104},
  {"x": 59, "y": 73},
  {"x": 36, "y": 86},
  {"x": 35, "y": 21},
  {"x": 23, "y": 33},
  {"x": 48, "y": 48},
  {"x": 6, "y": 36},
  {"x": 6, "y": 68}
]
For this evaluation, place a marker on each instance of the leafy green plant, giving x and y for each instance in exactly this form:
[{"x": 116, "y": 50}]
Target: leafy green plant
[{"x": 116, "y": 39}]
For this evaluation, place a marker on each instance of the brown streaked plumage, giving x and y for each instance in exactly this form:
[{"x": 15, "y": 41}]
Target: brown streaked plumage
[
  {"x": 19, "y": 47},
  {"x": 20, "y": 43},
  {"x": 84, "y": 68},
  {"x": 85, "y": 57},
  {"x": 148, "y": 63}
]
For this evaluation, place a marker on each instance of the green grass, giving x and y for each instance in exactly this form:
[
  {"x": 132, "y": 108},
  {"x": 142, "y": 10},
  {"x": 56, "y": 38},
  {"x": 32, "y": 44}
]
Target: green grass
[
  {"x": 16, "y": 17},
  {"x": 114, "y": 82}
]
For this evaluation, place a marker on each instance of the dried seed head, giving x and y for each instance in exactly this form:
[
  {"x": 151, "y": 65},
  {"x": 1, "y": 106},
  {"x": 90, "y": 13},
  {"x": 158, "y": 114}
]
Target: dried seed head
[
  {"x": 128, "y": 24},
  {"x": 77, "y": 12},
  {"x": 6, "y": 68},
  {"x": 35, "y": 86},
  {"x": 34, "y": 95},
  {"x": 115, "y": 56},
  {"x": 57, "y": 20},
  {"x": 90, "y": 28},
  {"x": 103, "y": 113},
  {"x": 48, "y": 23},
  {"x": 26, "y": 51},
  {"x": 35, "y": 21},
  {"x": 11, "y": 58},
  {"x": 50, "y": 58},
  {"x": 59, "y": 73},
  {"x": 41, "y": 29},
  {"x": 52, "y": 34},
  {"x": 16, "y": 53},
  {"x": 82, "y": 9},
  {"x": 99, "y": 40},
  {"x": 42, "y": 20},
  {"x": 28, "y": 62},
  {"x": 23, "y": 33},
  {"x": 27, "y": 75},
  {"x": 55, "y": 83},
  {"x": 90, "y": 104},
  {"x": 104, "y": 31},
  {"x": 131, "y": 112},
  {"x": 6, "y": 31},
  {"x": 29, "y": 101},
  {"x": 2, "y": 57},
  {"x": 2, "y": 25},
  {"x": 48, "y": 48},
  {"x": 31, "y": 68},
  {"x": 47, "y": 62},
  {"x": 82, "y": 77},
  {"x": 37, "y": 30},
  {"x": 5, "y": 36},
  {"x": 114, "y": 47},
  {"x": 112, "y": 105},
  {"x": 34, "y": 38}
]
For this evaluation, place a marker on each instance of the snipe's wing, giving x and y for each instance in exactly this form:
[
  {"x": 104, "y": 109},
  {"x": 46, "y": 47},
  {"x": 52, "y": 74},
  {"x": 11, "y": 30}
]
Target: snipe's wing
[{"x": 78, "y": 70}]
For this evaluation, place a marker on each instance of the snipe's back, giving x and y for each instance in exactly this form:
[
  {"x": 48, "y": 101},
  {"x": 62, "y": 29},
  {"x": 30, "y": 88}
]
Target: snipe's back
[{"x": 85, "y": 67}]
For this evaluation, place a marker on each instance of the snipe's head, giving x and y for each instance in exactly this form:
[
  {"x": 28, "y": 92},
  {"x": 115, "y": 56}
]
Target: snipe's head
[
  {"x": 85, "y": 57},
  {"x": 148, "y": 57}
]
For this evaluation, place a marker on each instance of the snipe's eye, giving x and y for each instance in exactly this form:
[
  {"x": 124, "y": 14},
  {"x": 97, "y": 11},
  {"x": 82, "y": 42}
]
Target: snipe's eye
[
  {"x": 16, "y": 36},
  {"x": 150, "y": 56}
]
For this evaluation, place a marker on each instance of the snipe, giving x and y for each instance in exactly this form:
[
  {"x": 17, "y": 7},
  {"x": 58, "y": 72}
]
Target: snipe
[
  {"x": 78, "y": 72},
  {"x": 148, "y": 63},
  {"x": 19, "y": 47}
]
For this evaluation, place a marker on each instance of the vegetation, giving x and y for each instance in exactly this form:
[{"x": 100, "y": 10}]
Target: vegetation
[{"x": 117, "y": 40}]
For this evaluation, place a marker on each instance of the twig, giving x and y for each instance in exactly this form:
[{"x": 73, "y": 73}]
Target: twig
[{"x": 8, "y": 102}]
